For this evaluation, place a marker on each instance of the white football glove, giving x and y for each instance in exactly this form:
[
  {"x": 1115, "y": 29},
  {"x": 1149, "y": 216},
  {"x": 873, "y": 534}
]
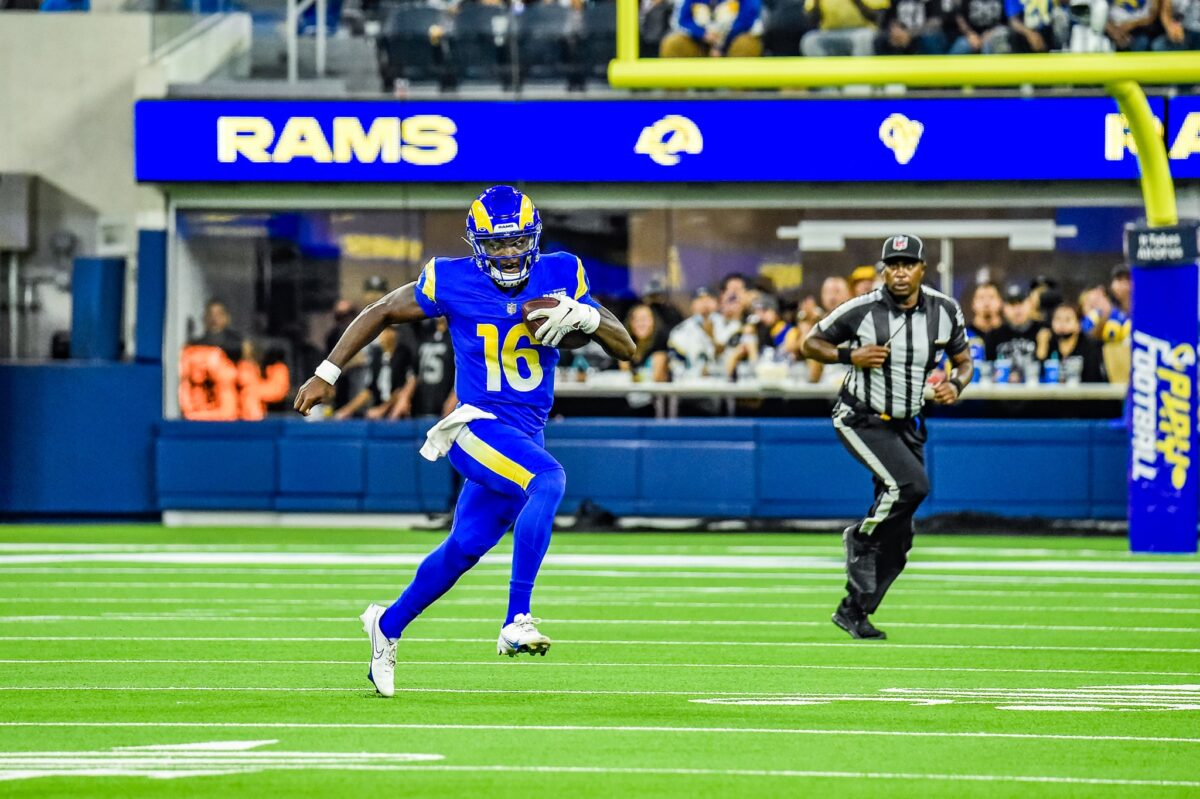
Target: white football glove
[{"x": 568, "y": 315}]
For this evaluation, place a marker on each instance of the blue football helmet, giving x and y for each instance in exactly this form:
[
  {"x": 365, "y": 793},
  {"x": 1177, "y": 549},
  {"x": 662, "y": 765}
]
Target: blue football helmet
[{"x": 504, "y": 230}]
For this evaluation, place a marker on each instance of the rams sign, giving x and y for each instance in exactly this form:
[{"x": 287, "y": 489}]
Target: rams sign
[{"x": 951, "y": 139}]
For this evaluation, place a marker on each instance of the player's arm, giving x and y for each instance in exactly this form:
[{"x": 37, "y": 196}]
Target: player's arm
[
  {"x": 613, "y": 337},
  {"x": 398, "y": 307}
]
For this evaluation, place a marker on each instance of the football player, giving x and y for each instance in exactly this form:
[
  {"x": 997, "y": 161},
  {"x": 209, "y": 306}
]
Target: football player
[{"x": 504, "y": 376}]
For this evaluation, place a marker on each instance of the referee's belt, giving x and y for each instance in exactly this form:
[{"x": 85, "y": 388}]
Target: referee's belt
[{"x": 858, "y": 406}]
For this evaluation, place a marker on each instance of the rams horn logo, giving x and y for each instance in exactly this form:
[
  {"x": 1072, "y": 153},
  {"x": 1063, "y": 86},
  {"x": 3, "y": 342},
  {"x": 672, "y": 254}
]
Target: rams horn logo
[
  {"x": 901, "y": 135},
  {"x": 669, "y": 136}
]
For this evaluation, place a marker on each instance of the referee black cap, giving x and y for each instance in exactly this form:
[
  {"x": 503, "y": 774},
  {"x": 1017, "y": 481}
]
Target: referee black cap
[{"x": 903, "y": 248}]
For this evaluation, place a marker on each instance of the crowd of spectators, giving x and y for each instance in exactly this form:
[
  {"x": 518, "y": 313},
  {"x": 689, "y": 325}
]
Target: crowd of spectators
[
  {"x": 740, "y": 330},
  {"x": 584, "y": 37},
  {"x": 744, "y": 330}
]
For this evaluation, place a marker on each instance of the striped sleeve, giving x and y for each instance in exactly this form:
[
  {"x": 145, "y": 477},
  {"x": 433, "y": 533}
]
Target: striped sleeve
[{"x": 427, "y": 296}]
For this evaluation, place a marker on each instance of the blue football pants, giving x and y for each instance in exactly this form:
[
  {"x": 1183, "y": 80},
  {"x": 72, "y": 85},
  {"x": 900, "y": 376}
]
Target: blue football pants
[{"x": 510, "y": 480}]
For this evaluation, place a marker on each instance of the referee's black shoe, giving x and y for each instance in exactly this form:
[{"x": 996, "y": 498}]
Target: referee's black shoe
[{"x": 851, "y": 619}]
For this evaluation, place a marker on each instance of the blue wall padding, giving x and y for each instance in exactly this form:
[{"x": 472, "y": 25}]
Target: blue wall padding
[
  {"x": 88, "y": 438},
  {"x": 97, "y": 297},
  {"x": 78, "y": 437},
  {"x": 728, "y": 467}
]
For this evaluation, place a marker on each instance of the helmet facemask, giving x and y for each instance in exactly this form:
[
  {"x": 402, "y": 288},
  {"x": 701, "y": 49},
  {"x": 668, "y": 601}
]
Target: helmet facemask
[{"x": 506, "y": 258}]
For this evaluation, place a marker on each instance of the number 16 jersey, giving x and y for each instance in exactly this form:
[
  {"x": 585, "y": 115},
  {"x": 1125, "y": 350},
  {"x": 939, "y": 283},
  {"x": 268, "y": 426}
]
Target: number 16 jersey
[{"x": 498, "y": 365}]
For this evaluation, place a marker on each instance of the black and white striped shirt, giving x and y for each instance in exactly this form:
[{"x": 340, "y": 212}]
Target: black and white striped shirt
[{"x": 917, "y": 336}]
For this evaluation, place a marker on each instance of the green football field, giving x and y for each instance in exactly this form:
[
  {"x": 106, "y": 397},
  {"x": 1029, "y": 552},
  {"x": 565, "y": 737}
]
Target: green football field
[{"x": 142, "y": 661}]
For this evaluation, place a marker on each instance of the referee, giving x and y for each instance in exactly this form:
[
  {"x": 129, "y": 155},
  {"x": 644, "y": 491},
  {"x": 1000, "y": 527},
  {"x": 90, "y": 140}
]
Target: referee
[{"x": 893, "y": 337}]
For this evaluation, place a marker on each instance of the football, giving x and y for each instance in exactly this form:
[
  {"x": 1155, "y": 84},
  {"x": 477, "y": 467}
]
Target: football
[{"x": 571, "y": 341}]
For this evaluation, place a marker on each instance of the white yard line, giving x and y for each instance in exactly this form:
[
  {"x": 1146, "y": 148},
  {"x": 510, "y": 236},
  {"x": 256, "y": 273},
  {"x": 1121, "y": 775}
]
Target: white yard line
[
  {"x": 196, "y": 603},
  {"x": 549, "y": 664},
  {"x": 788, "y": 576},
  {"x": 600, "y": 728},
  {"x": 1189, "y": 566},
  {"x": 175, "y": 618},
  {"x": 611, "y": 642}
]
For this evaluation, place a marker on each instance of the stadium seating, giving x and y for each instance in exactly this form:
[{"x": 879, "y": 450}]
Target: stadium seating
[
  {"x": 406, "y": 50},
  {"x": 478, "y": 42}
]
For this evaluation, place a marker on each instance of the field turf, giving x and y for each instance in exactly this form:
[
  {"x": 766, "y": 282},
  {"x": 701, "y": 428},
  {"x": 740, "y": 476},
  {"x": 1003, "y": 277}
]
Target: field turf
[{"x": 141, "y": 661}]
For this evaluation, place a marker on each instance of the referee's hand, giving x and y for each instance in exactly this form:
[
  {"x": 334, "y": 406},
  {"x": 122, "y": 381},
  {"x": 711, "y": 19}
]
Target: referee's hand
[
  {"x": 871, "y": 356},
  {"x": 945, "y": 393}
]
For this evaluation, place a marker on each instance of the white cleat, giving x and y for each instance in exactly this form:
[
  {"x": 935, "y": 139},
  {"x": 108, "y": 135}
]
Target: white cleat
[
  {"x": 522, "y": 636},
  {"x": 383, "y": 652}
]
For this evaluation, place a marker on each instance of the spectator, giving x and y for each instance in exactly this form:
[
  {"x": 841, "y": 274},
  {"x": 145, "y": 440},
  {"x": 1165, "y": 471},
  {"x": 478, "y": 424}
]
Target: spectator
[
  {"x": 343, "y": 313},
  {"x": 986, "y": 307},
  {"x": 218, "y": 333},
  {"x": 1081, "y": 357},
  {"x": 1132, "y": 24},
  {"x": 715, "y": 28},
  {"x": 1107, "y": 318},
  {"x": 910, "y": 27},
  {"x": 373, "y": 381},
  {"x": 1021, "y": 342},
  {"x": 649, "y": 362},
  {"x": 735, "y": 298},
  {"x": 1180, "y": 20},
  {"x": 655, "y": 26},
  {"x": 428, "y": 388},
  {"x": 692, "y": 343},
  {"x": 765, "y": 336},
  {"x": 656, "y": 297},
  {"x": 1044, "y": 297},
  {"x": 1030, "y": 28},
  {"x": 978, "y": 22},
  {"x": 862, "y": 280},
  {"x": 846, "y": 27},
  {"x": 834, "y": 291}
]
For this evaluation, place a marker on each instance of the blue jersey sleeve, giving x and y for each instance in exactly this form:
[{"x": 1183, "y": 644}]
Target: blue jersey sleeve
[
  {"x": 686, "y": 20},
  {"x": 427, "y": 296},
  {"x": 748, "y": 13},
  {"x": 583, "y": 289}
]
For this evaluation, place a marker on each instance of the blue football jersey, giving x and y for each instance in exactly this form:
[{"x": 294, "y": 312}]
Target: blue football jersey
[{"x": 499, "y": 366}]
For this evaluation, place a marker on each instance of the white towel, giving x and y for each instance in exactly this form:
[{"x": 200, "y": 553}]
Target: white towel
[{"x": 441, "y": 436}]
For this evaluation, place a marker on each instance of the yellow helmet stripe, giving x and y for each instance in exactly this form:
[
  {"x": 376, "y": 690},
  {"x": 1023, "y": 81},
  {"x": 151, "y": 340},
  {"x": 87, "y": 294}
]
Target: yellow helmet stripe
[
  {"x": 482, "y": 220},
  {"x": 526, "y": 211}
]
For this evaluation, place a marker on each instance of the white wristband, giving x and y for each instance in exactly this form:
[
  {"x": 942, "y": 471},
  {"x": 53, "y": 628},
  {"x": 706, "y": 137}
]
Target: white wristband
[
  {"x": 592, "y": 323},
  {"x": 328, "y": 372}
]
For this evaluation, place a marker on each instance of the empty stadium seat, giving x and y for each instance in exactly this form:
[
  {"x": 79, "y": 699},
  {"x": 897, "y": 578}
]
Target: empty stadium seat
[
  {"x": 598, "y": 45},
  {"x": 405, "y": 50},
  {"x": 477, "y": 42},
  {"x": 544, "y": 49}
]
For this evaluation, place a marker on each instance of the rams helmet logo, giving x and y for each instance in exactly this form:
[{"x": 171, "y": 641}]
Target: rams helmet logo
[
  {"x": 667, "y": 138},
  {"x": 901, "y": 135}
]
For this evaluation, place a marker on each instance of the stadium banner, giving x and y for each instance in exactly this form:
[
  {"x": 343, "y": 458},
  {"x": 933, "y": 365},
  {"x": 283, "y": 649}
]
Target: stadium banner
[
  {"x": 693, "y": 140},
  {"x": 1163, "y": 469},
  {"x": 1183, "y": 136}
]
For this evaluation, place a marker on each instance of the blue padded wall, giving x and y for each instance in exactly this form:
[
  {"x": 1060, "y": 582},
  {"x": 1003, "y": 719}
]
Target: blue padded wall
[{"x": 79, "y": 438}]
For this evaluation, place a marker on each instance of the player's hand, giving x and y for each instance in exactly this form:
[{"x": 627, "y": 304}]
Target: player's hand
[
  {"x": 871, "y": 356},
  {"x": 946, "y": 393},
  {"x": 560, "y": 320},
  {"x": 314, "y": 392}
]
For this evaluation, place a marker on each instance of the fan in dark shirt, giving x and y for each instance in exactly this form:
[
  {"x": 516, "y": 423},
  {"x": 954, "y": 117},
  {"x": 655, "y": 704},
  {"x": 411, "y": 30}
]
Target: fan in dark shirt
[{"x": 1082, "y": 357}]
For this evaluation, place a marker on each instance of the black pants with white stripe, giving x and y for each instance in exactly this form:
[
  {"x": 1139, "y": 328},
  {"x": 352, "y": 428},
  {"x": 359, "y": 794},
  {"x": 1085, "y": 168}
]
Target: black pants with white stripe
[{"x": 894, "y": 451}]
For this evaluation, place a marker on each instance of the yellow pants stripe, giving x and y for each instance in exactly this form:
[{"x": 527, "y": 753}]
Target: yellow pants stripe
[{"x": 493, "y": 460}]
